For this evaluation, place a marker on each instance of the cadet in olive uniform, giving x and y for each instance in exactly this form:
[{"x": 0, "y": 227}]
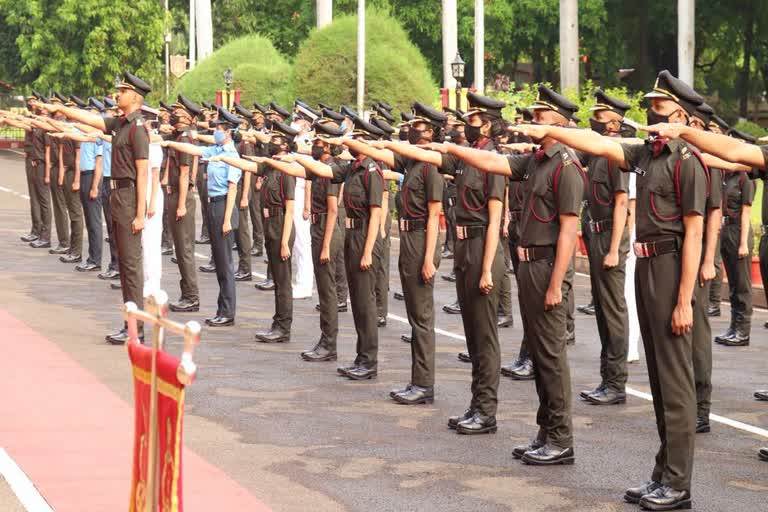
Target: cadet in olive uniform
[
  {"x": 53, "y": 169},
  {"x": 223, "y": 215},
  {"x": 69, "y": 186},
  {"x": 113, "y": 269},
  {"x": 736, "y": 244},
  {"x": 181, "y": 205},
  {"x": 254, "y": 205},
  {"x": 718, "y": 125},
  {"x": 607, "y": 201},
  {"x": 671, "y": 201},
  {"x": 34, "y": 149},
  {"x": 478, "y": 257},
  {"x": 243, "y": 235}
]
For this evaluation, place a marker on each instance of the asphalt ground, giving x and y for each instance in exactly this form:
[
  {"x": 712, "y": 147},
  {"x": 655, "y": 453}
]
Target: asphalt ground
[{"x": 299, "y": 437}]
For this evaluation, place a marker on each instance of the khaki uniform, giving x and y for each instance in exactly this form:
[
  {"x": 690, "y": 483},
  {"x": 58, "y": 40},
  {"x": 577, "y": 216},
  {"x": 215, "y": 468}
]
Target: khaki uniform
[
  {"x": 243, "y": 239},
  {"x": 42, "y": 190},
  {"x": 73, "y": 205},
  {"x": 763, "y": 249},
  {"x": 60, "y": 216},
  {"x": 29, "y": 169}
]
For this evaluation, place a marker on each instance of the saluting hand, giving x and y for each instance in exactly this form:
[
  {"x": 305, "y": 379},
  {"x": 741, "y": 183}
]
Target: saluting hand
[
  {"x": 486, "y": 283},
  {"x": 671, "y": 131},
  {"x": 534, "y": 131},
  {"x": 552, "y": 298},
  {"x": 435, "y": 146},
  {"x": 335, "y": 141},
  {"x": 682, "y": 319},
  {"x": 215, "y": 158},
  {"x": 377, "y": 144},
  {"x": 287, "y": 158}
]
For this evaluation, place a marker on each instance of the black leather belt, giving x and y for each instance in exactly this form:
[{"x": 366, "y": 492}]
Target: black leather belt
[
  {"x": 216, "y": 199},
  {"x": 116, "y": 183},
  {"x": 351, "y": 223},
  {"x": 86, "y": 173},
  {"x": 600, "y": 226},
  {"x": 465, "y": 232},
  {"x": 412, "y": 224},
  {"x": 539, "y": 252},
  {"x": 656, "y": 248},
  {"x": 272, "y": 212},
  {"x": 728, "y": 220},
  {"x": 317, "y": 218}
]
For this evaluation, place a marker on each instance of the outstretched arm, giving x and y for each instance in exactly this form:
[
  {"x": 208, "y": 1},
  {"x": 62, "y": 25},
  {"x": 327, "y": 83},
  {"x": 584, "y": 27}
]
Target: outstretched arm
[
  {"x": 484, "y": 160},
  {"x": 82, "y": 116},
  {"x": 580, "y": 140},
  {"x": 184, "y": 147},
  {"x": 286, "y": 167},
  {"x": 416, "y": 153},
  {"x": 314, "y": 166},
  {"x": 374, "y": 150},
  {"x": 240, "y": 163}
]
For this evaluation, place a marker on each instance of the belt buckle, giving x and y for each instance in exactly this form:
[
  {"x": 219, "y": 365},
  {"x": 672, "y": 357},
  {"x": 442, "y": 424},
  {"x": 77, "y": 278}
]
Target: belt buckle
[
  {"x": 461, "y": 232},
  {"x": 402, "y": 224},
  {"x": 265, "y": 211},
  {"x": 523, "y": 253},
  {"x": 348, "y": 223},
  {"x": 313, "y": 218}
]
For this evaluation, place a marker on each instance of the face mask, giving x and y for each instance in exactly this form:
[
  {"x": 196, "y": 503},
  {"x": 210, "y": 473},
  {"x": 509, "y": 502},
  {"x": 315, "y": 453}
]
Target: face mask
[
  {"x": 219, "y": 137},
  {"x": 472, "y": 133},
  {"x": 273, "y": 149},
  {"x": 403, "y": 135},
  {"x": 626, "y": 131},
  {"x": 597, "y": 126},
  {"x": 343, "y": 126},
  {"x": 268, "y": 124},
  {"x": 174, "y": 120},
  {"x": 415, "y": 135},
  {"x": 654, "y": 118},
  {"x": 317, "y": 152},
  {"x": 236, "y": 137}
]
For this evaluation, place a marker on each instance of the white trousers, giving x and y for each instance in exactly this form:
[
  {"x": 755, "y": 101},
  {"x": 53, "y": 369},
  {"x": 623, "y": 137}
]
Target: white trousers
[
  {"x": 151, "y": 240},
  {"x": 302, "y": 246},
  {"x": 629, "y": 294}
]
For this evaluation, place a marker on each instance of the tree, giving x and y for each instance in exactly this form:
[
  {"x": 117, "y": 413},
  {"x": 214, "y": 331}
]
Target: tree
[{"x": 79, "y": 46}]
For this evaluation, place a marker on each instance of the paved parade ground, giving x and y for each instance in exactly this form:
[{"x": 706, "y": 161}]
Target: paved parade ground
[{"x": 267, "y": 431}]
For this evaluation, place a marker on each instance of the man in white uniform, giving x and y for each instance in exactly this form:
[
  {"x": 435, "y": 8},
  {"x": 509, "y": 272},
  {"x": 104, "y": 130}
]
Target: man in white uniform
[
  {"x": 151, "y": 236},
  {"x": 304, "y": 115},
  {"x": 629, "y": 289}
]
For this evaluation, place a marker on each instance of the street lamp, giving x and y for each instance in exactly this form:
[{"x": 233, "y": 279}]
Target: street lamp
[
  {"x": 118, "y": 81},
  {"x": 457, "y": 70},
  {"x": 228, "y": 82}
]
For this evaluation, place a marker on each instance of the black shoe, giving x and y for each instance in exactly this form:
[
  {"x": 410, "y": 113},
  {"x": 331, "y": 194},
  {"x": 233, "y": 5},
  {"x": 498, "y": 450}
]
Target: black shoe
[
  {"x": 399, "y": 390},
  {"x": 398, "y": 296},
  {"x": 29, "y": 237},
  {"x": 520, "y": 450},
  {"x": 40, "y": 244},
  {"x": 607, "y": 397},
  {"x": 507, "y": 369},
  {"x": 727, "y": 334},
  {"x": 739, "y": 339},
  {"x": 477, "y": 424},
  {"x": 702, "y": 425},
  {"x": 415, "y": 395},
  {"x": 523, "y": 372},
  {"x": 453, "y": 421},
  {"x": 319, "y": 353},
  {"x": 344, "y": 370},
  {"x": 258, "y": 253},
  {"x": 118, "y": 338},
  {"x": 184, "y": 305},
  {"x": 243, "y": 276},
  {"x": 570, "y": 338},
  {"x": 71, "y": 258},
  {"x": 762, "y": 454},
  {"x": 504, "y": 321},
  {"x": 174, "y": 260},
  {"x": 587, "y": 309},
  {"x": 115, "y": 286},
  {"x": 584, "y": 394},
  {"x": 449, "y": 277},
  {"x": 549, "y": 455},
  {"x": 713, "y": 310},
  {"x": 273, "y": 335},
  {"x": 447, "y": 254},
  {"x": 382, "y": 321},
  {"x": 340, "y": 307},
  {"x": 208, "y": 268},
  {"x": 203, "y": 240},
  {"x": 59, "y": 249},
  {"x": 267, "y": 285},
  {"x": 110, "y": 275},
  {"x": 220, "y": 321},
  {"x": 765, "y": 325},
  {"x": 166, "y": 251},
  {"x": 406, "y": 338},
  {"x": 666, "y": 498},
  {"x": 362, "y": 373},
  {"x": 87, "y": 267},
  {"x": 464, "y": 357},
  {"x": 633, "y": 494},
  {"x": 762, "y": 395},
  {"x": 452, "y": 309}
]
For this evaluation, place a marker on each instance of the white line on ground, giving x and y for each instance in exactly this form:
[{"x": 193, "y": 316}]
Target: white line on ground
[{"x": 21, "y": 485}]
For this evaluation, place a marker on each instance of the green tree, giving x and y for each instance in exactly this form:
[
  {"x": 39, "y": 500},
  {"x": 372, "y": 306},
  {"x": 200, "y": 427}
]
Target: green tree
[{"x": 79, "y": 46}]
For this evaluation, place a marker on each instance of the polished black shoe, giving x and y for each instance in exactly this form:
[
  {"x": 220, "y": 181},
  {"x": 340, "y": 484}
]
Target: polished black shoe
[
  {"x": 174, "y": 260},
  {"x": 477, "y": 424},
  {"x": 607, "y": 397},
  {"x": 184, "y": 305},
  {"x": 453, "y": 421},
  {"x": 118, "y": 338},
  {"x": 507, "y": 369},
  {"x": 343, "y": 370},
  {"x": 208, "y": 268},
  {"x": 713, "y": 310},
  {"x": 633, "y": 494},
  {"x": 520, "y": 450},
  {"x": 220, "y": 321},
  {"x": 464, "y": 357},
  {"x": 765, "y": 325},
  {"x": 415, "y": 395},
  {"x": 570, "y": 338},
  {"x": 88, "y": 267},
  {"x": 666, "y": 498},
  {"x": 110, "y": 275},
  {"x": 549, "y": 455},
  {"x": 362, "y": 373},
  {"x": 40, "y": 244},
  {"x": 258, "y": 253},
  {"x": 762, "y": 395},
  {"x": 399, "y": 390},
  {"x": 504, "y": 321},
  {"x": 406, "y": 338},
  {"x": 449, "y": 277},
  {"x": 447, "y": 254},
  {"x": 702, "y": 425},
  {"x": 29, "y": 237},
  {"x": 398, "y": 296},
  {"x": 59, "y": 249},
  {"x": 584, "y": 394},
  {"x": 739, "y": 339},
  {"x": 166, "y": 251},
  {"x": 452, "y": 309},
  {"x": 203, "y": 240},
  {"x": 382, "y": 321},
  {"x": 115, "y": 286},
  {"x": 267, "y": 285},
  {"x": 319, "y": 354},
  {"x": 727, "y": 334},
  {"x": 273, "y": 335},
  {"x": 762, "y": 454},
  {"x": 71, "y": 258},
  {"x": 587, "y": 309},
  {"x": 340, "y": 307},
  {"x": 523, "y": 372},
  {"x": 243, "y": 276}
]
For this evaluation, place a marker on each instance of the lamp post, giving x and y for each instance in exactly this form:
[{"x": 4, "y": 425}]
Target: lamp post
[
  {"x": 457, "y": 70},
  {"x": 228, "y": 82}
]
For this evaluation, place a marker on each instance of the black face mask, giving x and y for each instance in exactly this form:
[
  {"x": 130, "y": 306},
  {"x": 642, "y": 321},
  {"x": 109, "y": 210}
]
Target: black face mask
[
  {"x": 273, "y": 149},
  {"x": 174, "y": 120},
  {"x": 236, "y": 136},
  {"x": 403, "y": 135},
  {"x": 415, "y": 135},
  {"x": 317, "y": 152},
  {"x": 268, "y": 124},
  {"x": 597, "y": 126},
  {"x": 626, "y": 131},
  {"x": 472, "y": 133},
  {"x": 654, "y": 118}
]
